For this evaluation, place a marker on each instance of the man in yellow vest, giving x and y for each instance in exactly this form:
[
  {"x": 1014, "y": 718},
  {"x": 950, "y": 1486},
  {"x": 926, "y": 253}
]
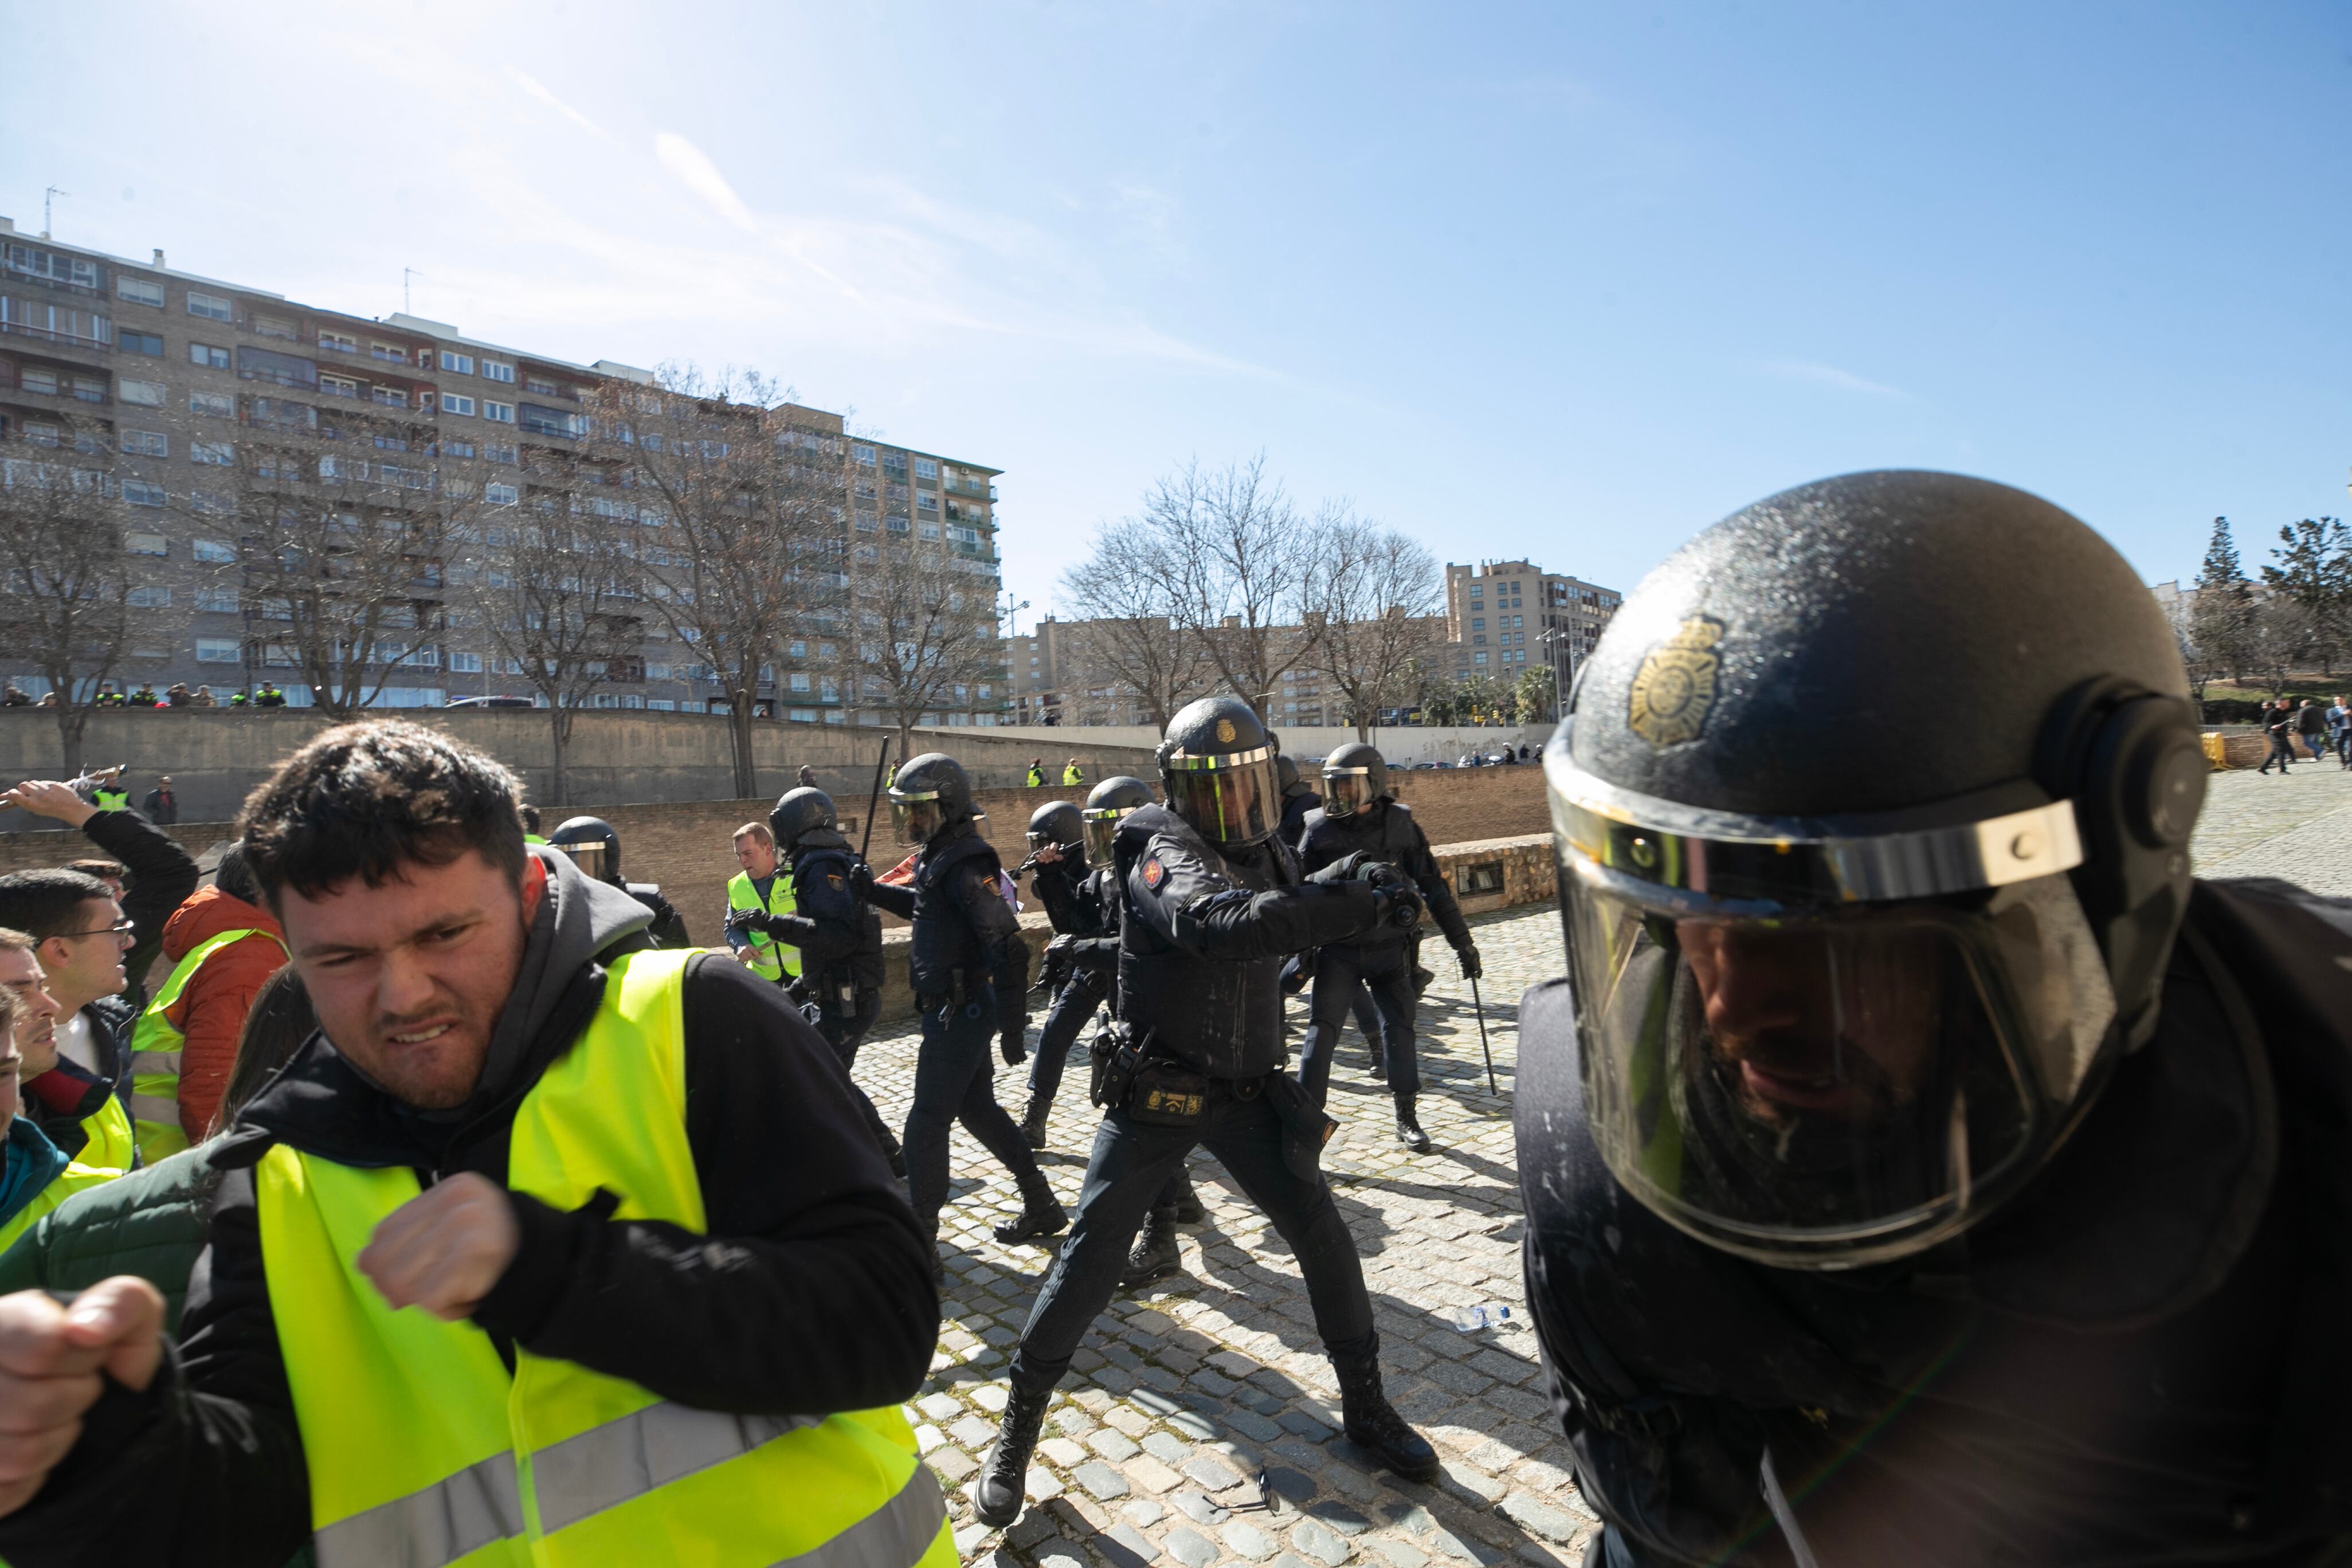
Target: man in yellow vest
[
  {"x": 77, "y": 1071},
  {"x": 670, "y": 1298},
  {"x": 1037, "y": 773},
  {"x": 1071, "y": 776},
  {"x": 760, "y": 887},
  {"x": 35, "y": 1176}
]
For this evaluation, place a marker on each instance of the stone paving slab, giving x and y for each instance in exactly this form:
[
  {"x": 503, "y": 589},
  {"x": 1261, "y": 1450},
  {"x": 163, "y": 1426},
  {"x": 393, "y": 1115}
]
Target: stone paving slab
[
  {"x": 2298, "y": 827},
  {"x": 1198, "y": 1426}
]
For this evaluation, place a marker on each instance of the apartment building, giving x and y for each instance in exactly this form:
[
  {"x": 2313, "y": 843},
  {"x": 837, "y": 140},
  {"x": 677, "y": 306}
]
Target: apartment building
[
  {"x": 1505, "y": 616},
  {"x": 173, "y": 370}
]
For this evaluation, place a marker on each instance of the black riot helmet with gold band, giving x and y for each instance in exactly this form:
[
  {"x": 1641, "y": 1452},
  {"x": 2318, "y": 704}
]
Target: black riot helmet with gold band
[
  {"x": 1216, "y": 767},
  {"x": 1872, "y": 815},
  {"x": 1106, "y": 804},
  {"x": 928, "y": 792},
  {"x": 1354, "y": 777}
]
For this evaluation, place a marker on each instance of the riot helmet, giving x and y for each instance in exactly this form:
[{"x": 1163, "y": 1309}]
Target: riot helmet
[
  {"x": 930, "y": 792},
  {"x": 1285, "y": 772},
  {"x": 593, "y": 847},
  {"x": 1106, "y": 805},
  {"x": 1060, "y": 823},
  {"x": 1354, "y": 776},
  {"x": 1872, "y": 817},
  {"x": 800, "y": 812},
  {"x": 1216, "y": 765}
]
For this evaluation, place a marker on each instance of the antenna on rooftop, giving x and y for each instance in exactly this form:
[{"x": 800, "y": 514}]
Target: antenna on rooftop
[{"x": 48, "y": 199}]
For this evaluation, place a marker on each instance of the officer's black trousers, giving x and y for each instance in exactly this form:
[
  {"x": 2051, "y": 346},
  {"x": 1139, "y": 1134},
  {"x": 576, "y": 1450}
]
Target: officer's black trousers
[
  {"x": 844, "y": 1035},
  {"x": 1082, "y": 994},
  {"x": 955, "y": 1080},
  {"x": 1129, "y": 1169},
  {"x": 1386, "y": 971}
]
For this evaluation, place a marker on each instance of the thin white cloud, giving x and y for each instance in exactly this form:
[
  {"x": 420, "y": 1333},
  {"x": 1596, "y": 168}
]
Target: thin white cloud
[
  {"x": 698, "y": 174},
  {"x": 531, "y": 85},
  {"x": 1821, "y": 374}
]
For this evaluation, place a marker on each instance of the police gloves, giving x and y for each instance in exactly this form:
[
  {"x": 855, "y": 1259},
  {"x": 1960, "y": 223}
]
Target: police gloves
[
  {"x": 757, "y": 921},
  {"x": 1011, "y": 1047},
  {"x": 1472, "y": 968},
  {"x": 861, "y": 878},
  {"x": 1399, "y": 902}
]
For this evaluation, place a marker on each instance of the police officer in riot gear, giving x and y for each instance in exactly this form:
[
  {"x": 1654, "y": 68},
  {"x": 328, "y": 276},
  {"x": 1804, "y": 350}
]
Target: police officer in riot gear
[
  {"x": 1082, "y": 905},
  {"x": 1357, "y": 817},
  {"x": 1299, "y": 799},
  {"x": 970, "y": 974},
  {"x": 1920, "y": 1166},
  {"x": 596, "y": 849},
  {"x": 840, "y": 939},
  {"x": 1213, "y": 900}
]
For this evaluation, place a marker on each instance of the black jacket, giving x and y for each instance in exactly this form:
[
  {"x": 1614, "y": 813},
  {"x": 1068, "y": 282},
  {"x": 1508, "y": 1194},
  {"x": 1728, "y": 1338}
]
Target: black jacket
[
  {"x": 2140, "y": 1358},
  {"x": 161, "y": 878},
  {"x": 962, "y": 922},
  {"x": 812, "y": 1292},
  {"x": 1386, "y": 832}
]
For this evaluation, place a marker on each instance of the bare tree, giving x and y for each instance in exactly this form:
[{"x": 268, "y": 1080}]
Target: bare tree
[
  {"x": 1367, "y": 592},
  {"x": 1121, "y": 588},
  {"x": 65, "y": 580},
  {"x": 926, "y": 637},
  {"x": 750, "y": 521},
  {"x": 1232, "y": 562},
  {"x": 556, "y": 587}
]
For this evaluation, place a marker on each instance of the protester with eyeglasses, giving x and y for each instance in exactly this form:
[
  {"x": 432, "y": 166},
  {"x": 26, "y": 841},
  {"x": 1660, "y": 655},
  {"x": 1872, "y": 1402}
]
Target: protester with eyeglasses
[
  {"x": 161, "y": 874},
  {"x": 76, "y": 1082}
]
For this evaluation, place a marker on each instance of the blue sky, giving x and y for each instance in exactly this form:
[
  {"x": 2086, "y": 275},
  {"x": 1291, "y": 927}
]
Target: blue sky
[{"x": 1567, "y": 282}]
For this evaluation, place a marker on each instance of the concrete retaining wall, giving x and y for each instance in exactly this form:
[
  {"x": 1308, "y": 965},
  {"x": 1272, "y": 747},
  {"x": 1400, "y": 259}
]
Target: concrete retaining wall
[{"x": 1405, "y": 744}]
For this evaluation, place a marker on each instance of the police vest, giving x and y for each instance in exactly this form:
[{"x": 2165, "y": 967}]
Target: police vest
[
  {"x": 63, "y": 1185},
  {"x": 111, "y": 799},
  {"x": 860, "y": 969},
  {"x": 942, "y": 940},
  {"x": 155, "y": 1052},
  {"x": 423, "y": 1448},
  {"x": 1222, "y": 1017},
  {"x": 768, "y": 957}
]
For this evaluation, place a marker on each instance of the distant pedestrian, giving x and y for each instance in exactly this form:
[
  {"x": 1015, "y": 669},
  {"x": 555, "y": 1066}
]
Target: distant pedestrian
[
  {"x": 2312, "y": 725},
  {"x": 202, "y": 698},
  {"x": 163, "y": 804},
  {"x": 145, "y": 696},
  {"x": 1037, "y": 773},
  {"x": 1071, "y": 776},
  {"x": 11, "y": 697},
  {"x": 2339, "y": 730},
  {"x": 2278, "y": 723},
  {"x": 176, "y": 694}
]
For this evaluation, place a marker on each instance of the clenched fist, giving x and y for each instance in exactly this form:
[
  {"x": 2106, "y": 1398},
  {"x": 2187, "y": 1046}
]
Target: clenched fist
[
  {"x": 445, "y": 1249},
  {"x": 51, "y": 1356}
]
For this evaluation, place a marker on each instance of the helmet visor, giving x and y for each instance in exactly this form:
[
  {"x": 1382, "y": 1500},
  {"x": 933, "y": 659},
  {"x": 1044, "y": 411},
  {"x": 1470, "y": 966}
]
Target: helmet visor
[
  {"x": 1346, "y": 792},
  {"x": 590, "y": 856},
  {"x": 1231, "y": 799},
  {"x": 1836, "y": 1089},
  {"x": 1102, "y": 822},
  {"x": 915, "y": 818}
]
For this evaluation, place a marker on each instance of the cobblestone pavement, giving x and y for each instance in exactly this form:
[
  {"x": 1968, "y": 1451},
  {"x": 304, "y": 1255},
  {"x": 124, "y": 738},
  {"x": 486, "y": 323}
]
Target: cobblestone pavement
[
  {"x": 2298, "y": 827},
  {"x": 1199, "y": 1423}
]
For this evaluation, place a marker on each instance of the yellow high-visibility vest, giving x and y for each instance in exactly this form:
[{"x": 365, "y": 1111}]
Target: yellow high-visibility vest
[
  {"x": 765, "y": 950},
  {"x": 106, "y": 799},
  {"x": 63, "y": 1185},
  {"x": 155, "y": 1045},
  {"x": 1070, "y": 776},
  {"x": 424, "y": 1450}
]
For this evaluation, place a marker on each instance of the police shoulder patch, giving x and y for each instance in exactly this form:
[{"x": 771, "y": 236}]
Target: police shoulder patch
[
  {"x": 1675, "y": 686},
  {"x": 834, "y": 878},
  {"x": 1154, "y": 873}
]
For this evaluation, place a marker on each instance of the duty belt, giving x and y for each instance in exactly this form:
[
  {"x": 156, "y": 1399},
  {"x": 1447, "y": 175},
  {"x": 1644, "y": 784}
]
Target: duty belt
[{"x": 965, "y": 987}]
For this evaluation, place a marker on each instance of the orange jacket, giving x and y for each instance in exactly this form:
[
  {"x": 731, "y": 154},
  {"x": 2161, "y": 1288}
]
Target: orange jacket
[{"x": 211, "y": 1011}]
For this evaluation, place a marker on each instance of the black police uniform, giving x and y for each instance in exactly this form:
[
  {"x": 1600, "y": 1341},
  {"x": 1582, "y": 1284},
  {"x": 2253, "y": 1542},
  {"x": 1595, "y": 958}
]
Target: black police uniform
[
  {"x": 1084, "y": 905},
  {"x": 970, "y": 972},
  {"x": 668, "y": 929},
  {"x": 1383, "y": 961},
  {"x": 840, "y": 942},
  {"x": 2141, "y": 1360},
  {"x": 1200, "y": 953}
]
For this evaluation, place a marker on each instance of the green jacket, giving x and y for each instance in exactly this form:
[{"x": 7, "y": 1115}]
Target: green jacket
[{"x": 152, "y": 1223}]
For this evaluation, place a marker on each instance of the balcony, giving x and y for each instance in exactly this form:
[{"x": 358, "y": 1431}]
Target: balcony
[{"x": 67, "y": 340}]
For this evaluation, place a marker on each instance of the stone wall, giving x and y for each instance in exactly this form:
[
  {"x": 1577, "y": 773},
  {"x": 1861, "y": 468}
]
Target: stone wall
[{"x": 216, "y": 756}]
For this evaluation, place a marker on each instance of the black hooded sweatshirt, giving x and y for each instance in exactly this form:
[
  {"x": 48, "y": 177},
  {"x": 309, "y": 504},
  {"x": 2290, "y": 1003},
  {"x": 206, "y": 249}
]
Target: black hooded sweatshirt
[{"x": 810, "y": 1292}]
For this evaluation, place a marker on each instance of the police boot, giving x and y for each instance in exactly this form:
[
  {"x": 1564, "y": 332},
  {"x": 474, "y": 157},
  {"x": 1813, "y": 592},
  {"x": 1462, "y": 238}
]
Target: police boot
[
  {"x": 1379, "y": 1064},
  {"x": 1409, "y": 1132},
  {"x": 1372, "y": 1424},
  {"x": 1188, "y": 1208},
  {"x": 1033, "y": 1121},
  {"x": 1004, "y": 1471},
  {"x": 1155, "y": 1254},
  {"x": 1041, "y": 1215}
]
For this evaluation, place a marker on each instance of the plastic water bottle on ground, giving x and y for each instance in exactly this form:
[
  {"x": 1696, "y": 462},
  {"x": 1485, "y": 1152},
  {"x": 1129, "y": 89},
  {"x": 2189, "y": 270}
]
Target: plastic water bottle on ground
[{"x": 1470, "y": 1320}]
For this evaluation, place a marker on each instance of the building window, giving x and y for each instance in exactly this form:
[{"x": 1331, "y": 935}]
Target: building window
[
  {"x": 146, "y": 344},
  {"x": 501, "y": 412},
  {"x": 148, "y": 598},
  {"x": 217, "y": 651},
  {"x": 391, "y": 353},
  {"x": 928, "y": 504},
  {"x": 212, "y": 307},
  {"x": 862, "y": 456},
  {"x": 494, "y": 371},
  {"x": 501, "y": 495},
  {"x": 219, "y": 405},
  {"x": 146, "y": 444},
  {"x": 389, "y": 396},
  {"x": 217, "y": 601},
  {"x": 455, "y": 448},
  {"x": 464, "y": 664},
  {"x": 145, "y": 544},
  {"x": 139, "y": 492},
  {"x": 927, "y": 469},
  {"x": 219, "y": 454},
  {"x": 275, "y": 327},
  {"x": 453, "y": 404},
  {"x": 456, "y": 362},
  {"x": 145, "y": 394},
  {"x": 206, "y": 355},
  {"x": 541, "y": 386},
  {"x": 139, "y": 292},
  {"x": 1477, "y": 623},
  {"x": 216, "y": 551},
  {"x": 338, "y": 342}
]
